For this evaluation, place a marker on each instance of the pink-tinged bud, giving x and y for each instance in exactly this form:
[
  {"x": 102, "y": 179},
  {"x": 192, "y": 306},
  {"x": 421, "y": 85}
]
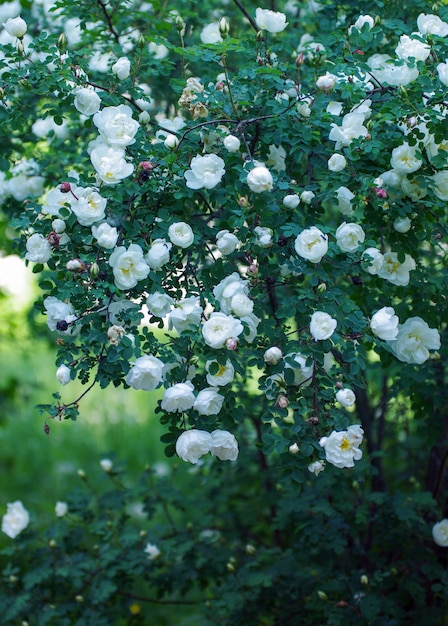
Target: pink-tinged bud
[
  {"x": 53, "y": 239},
  {"x": 358, "y": 52},
  {"x": 380, "y": 193},
  {"x": 232, "y": 343},
  {"x": 252, "y": 269},
  {"x": 300, "y": 60},
  {"x": 65, "y": 187},
  {"x": 146, "y": 165},
  {"x": 339, "y": 385},
  {"x": 219, "y": 85},
  {"x": 282, "y": 402}
]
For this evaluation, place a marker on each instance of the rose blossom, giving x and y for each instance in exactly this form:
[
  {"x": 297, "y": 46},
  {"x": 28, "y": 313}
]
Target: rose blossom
[
  {"x": 192, "y": 444},
  {"x": 15, "y": 519},
  {"x": 185, "y": 315},
  {"x": 110, "y": 164},
  {"x": 432, "y": 25},
  {"x": 219, "y": 328},
  {"x": 440, "y": 533},
  {"x": 152, "y": 551},
  {"x": 231, "y": 143},
  {"x": 346, "y": 397},
  {"x": 224, "y": 445},
  {"x": 291, "y": 201},
  {"x": 226, "y": 242},
  {"x": 375, "y": 259},
  {"x": 306, "y": 196},
  {"x": 63, "y": 375},
  {"x": 440, "y": 180},
  {"x": 316, "y": 467},
  {"x": 384, "y": 324},
  {"x": 442, "y": 71},
  {"x": 116, "y": 126},
  {"x": 414, "y": 340},
  {"x": 342, "y": 448},
  {"x": 360, "y": 22},
  {"x": 404, "y": 159},
  {"x": 326, "y": 82},
  {"x": 15, "y": 26},
  {"x": 128, "y": 266},
  {"x": 337, "y": 162},
  {"x": 61, "y": 509},
  {"x": 349, "y": 236},
  {"x": 345, "y": 197},
  {"x": 272, "y": 21},
  {"x": 38, "y": 249},
  {"x": 122, "y": 68},
  {"x": 178, "y": 398},
  {"x": 106, "y": 465},
  {"x": 106, "y": 236},
  {"x": 211, "y": 33},
  {"x": 264, "y": 236},
  {"x": 181, "y": 234},
  {"x": 145, "y": 373},
  {"x": 322, "y": 326},
  {"x": 303, "y": 373},
  {"x": 158, "y": 254},
  {"x": 208, "y": 401},
  {"x": 88, "y": 206},
  {"x": 58, "y": 312},
  {"x": 87, "y": 101},
  {"x": 412, "y": 48},
  {"x": 273, "y": 355},
  {"x": 402, "y": 224},
  {"x": 159, "y": 303},
  {"x": 395, "y": 272},
  {"x": 260, "y": 179},
  {"x": 223, "y": 376},
  {"x": 311, "y": 244},
  {"x": 206, "y": 171}
]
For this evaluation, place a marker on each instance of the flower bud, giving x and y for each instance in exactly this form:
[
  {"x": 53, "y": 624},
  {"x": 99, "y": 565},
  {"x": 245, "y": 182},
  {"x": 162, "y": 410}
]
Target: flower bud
[
  {"x": 82, "y": 474},
  {"x": 94, "y": 270},
  {"x": 2, "y": 93},
  {"x": 15, "y": 26},
  {"x": 21, "y": 50},
  {"x": 224, "y": 27},
  {"x": 232, "y": 343},
  {"x": 143, "y": 534},
  {"x": 321, "y": 287},
  {"x": 252, "y": 269},
  {"x": 180, "y": 24},
  {"x": 294, "y": 448},
  {"x": 250, "y": 549},
  {"x": 52, "y": 543},
  {"x": 243, "y": 201},
  {"x": 65, "y": 187},
  {"x": 273, "y": 355},
  {"x": 62, "y": 42},
  {"x": 13, "y": 579},
  {"x": 364, "y": 580},
  {"x": 322, "y": 595},
  {"x": 282, "y": 402},
  {"x": 75, "y": 265},
  {"x": 79, "y": 599}
]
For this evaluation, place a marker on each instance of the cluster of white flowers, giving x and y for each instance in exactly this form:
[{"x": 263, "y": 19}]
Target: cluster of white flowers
[{"x": 193, "y": 444}]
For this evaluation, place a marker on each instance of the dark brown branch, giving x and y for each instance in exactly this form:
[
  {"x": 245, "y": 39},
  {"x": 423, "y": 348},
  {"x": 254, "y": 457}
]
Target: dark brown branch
[
  {"x": 246, "y": 14},
  {"x": 108, "y": 19}
]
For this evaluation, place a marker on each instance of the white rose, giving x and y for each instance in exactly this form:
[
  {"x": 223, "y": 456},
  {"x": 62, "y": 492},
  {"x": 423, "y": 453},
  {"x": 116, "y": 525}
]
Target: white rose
[
  {"x": 311, "y": 244},
  {"x": 231, "y": 143},
  {"x": 208, "y": 401},
  {"x": 58, "y": 226},
  {"x": 152, "y": 551},
  {"x": 307, "y": 196},
  {"x": 384, "y": 323},
  {"x": 145, "y": 373},
  {"x": 349, "y": 236},
  {"x": 38, "y": 249},
  {"x": 412, "y": 48},
  {"x": 260, "y": 179},
  {"x": 181, "y": 234},
  {"x": 206, "y": 171},
  {"x": 219, "y": 328},
  {"x": 116, "y": 126},
  {"x": 106, "y": 465},
  {"x": 326, "y": 82},
  {"x": 241, "y": 305},
  {"x": 15, "y": 519},
  {"x": 432, "y": 25},
  {"x": 159, "y": 303},
  {"x": 414, "y": 340},
  {"x": 402, "y": 224},
  {"x": 122, "y": 68},
  {"x": 352, "y": 127},
  {"x": 185, "y": 315},
  {"x": 192, "y": 444},
  {"x": 342, "y": 448},
  {"x": 303, "y": 373},
  {"x": 337, "y": 162},
  {"x": 304, "y": 107},
  {"x": 224, "y": 445},
  {"x": 59, "y": 313},
  {"x": 87, "y": 101},
  {"x": 110, "y": 164},
  {"x": 273, "y": 355},
  {"x": 171, "y": 142},
  {"x": 15, "y": 26},
  {"x": 222, "y": 376},
  {"x": 384, "y": 70},
  {"x": 345, "y": 197},
  {"x": 88, "y": 206},
  {"x": 226, "y": 242},
  {"x": 440, "y": 533},
  {"x": 158, "y": 254},
  {"x": 272, "y": 21},
  {"x": 291, "y": 201},
  {"x": 128, "y": 266},
  {"x": 178, "y": 398},
  {"x": 346, "y": 397},
  {"x": 264, "y": 236},
  {"x": 227, "y": 288},
  {"x": 316, "y": 467},
  {"x": 442, "y": 71},
  {"x": 395, "y": 272},
  {"x": 361, "y": 21},
  {"x": 440, "y": 181},
  {"x": 375, "y": 260},
  {"x": 404, "y": 159},
  {"x": 63, "y": 375},
  {"x": 334, "y": 107},
  {"x": 322, "y": 326},
  {"x": 61, "y": 509},
  {"x": 105, "y": 235},
  {"x": 211, "y": 33}
]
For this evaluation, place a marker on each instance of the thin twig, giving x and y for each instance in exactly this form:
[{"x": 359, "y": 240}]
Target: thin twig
[{"x": 249, "y": 17}]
